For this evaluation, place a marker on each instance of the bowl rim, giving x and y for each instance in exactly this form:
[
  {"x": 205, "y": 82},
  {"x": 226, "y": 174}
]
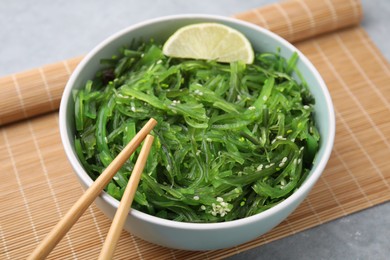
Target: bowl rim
[{"x": 305, "y": 187}]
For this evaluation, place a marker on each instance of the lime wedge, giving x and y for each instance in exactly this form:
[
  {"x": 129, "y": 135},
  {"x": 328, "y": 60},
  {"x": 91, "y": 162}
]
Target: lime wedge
[{"x": 209, "y": 41}]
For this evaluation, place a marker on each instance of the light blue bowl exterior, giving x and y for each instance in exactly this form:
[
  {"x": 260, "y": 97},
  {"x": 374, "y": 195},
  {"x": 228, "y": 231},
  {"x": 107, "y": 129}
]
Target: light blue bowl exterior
[{"x": 190, "y": 236}]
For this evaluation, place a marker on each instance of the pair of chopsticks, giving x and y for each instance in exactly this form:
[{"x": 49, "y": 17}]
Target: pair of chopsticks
[{"x": 75, "y": 212}]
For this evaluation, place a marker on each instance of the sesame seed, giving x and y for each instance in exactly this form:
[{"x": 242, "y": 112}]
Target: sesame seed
[
  {"x": 306, "y": 107},
  {"x": 265, "y": 98},
  {"x": 284, "y": 159},
  {"x": 176, "y": 101},
  {"x": 251, "y": 108},
  {"x": 259, "y": 168},
  {"x": 198, "y": 92},
  {"x": 203, "y": 207},
  {"x": 221, "y": 209},
  {"x": 196, "y": 198}
]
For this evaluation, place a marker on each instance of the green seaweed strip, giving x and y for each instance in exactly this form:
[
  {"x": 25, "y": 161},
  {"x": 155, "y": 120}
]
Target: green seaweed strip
[{"x": 232, "y": 140}]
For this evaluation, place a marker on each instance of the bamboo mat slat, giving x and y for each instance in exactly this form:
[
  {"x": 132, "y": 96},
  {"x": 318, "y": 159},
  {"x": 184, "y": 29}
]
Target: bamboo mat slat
[{"x": 37, "y": 184}]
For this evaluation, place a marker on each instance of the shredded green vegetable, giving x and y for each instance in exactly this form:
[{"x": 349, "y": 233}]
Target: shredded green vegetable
[{"x": 232, "y": 140}]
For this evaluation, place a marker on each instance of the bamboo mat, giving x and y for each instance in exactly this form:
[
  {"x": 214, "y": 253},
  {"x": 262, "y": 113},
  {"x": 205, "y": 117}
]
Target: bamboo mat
[{"x": 37, "y": 184}]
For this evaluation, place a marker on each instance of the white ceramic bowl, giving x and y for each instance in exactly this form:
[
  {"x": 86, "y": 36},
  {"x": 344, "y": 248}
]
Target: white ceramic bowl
[{"x": 191, "y": 236}]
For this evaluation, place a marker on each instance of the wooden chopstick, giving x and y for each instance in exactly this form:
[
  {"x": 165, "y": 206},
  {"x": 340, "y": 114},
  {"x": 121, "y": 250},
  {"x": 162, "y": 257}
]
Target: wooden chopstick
[
  {"x": 75, "y": 212},
  {"x": 113, "y": 234}
]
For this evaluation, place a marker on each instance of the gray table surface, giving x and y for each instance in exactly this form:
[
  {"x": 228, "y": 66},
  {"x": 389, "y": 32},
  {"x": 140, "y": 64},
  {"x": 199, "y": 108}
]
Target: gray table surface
[{"x": 35, "y": 33}]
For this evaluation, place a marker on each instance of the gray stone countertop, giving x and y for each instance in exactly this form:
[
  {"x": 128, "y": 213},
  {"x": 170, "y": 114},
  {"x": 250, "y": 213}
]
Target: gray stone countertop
[{"x": 35, "y": 33}]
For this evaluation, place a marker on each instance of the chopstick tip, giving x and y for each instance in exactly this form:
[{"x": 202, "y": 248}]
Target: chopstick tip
[{"x": 153, "y": 121}]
